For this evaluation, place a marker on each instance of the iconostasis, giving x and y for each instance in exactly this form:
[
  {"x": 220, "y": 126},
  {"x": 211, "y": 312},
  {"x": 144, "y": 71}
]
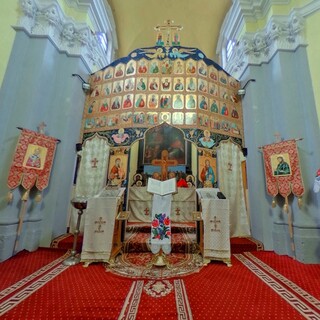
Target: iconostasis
[{"x": 175, "y": 86}]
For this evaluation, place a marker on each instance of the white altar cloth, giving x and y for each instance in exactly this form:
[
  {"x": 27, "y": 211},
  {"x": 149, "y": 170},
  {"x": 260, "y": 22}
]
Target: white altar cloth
[
  {"x": 182, "y": 206},
  {"x": 99, "y": 226}
]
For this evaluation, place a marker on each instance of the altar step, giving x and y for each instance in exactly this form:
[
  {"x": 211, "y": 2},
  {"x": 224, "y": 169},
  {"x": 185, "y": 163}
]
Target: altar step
[{"x": 138, "y": 241}]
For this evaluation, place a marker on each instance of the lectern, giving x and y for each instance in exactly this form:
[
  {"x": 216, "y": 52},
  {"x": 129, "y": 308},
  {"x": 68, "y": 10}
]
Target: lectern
[
  {"x": 214, "y": 226},
  {"x": 102, "y": 239}
]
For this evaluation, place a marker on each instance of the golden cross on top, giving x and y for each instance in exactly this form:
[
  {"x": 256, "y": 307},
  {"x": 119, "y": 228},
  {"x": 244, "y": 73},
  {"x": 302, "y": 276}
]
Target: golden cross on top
[
  {"x": 167, "y": 34},
  {"x": 277, "y": 136},
  {"x": 41, "y": 127}
]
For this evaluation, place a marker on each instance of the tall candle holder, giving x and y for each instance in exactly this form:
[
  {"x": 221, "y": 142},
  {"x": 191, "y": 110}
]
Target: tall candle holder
[{"x": 80, "y": 204}]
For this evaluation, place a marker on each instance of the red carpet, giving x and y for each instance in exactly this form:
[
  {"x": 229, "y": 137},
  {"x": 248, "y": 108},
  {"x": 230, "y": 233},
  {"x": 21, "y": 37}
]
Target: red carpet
[
  {"x": 69, "y": 293},
  {"x": 18, "y": 267},
  {"x": 307, "y": 276},
  {"x": 259, "y": 285},
  {"x": 244, "y": 291},
  {"x": 65, "y": 241}
]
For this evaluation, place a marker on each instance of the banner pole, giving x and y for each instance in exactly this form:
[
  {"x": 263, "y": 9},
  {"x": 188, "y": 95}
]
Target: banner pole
[
  {"x": 23, "y": 210},
  {"x": 290, "y": 225}
]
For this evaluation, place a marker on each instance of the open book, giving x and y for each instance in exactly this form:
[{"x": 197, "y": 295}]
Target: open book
[{"x": 162, "y": 187}]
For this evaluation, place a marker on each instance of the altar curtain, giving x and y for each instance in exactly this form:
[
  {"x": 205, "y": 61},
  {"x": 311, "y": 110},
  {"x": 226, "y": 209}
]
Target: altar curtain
[
  {"x": 92, "y": 174},
  {"x": 231, "y": 185},
  {"x": 32, "y": 162},
  {"x": 288, "y": 183}
]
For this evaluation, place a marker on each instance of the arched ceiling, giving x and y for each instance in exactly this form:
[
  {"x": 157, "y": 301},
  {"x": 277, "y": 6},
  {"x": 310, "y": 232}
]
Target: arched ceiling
[{"x": 201, "y": 21}]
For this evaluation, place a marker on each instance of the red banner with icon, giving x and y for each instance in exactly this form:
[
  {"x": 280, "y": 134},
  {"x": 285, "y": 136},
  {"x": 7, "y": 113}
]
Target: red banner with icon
[
  {"x": 32, "y": 161},
  {"x": 282, "y": 169}
]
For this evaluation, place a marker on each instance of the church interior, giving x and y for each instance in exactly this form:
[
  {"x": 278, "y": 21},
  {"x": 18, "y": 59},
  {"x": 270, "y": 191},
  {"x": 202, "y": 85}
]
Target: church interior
[{"x": 162, "y": 145}]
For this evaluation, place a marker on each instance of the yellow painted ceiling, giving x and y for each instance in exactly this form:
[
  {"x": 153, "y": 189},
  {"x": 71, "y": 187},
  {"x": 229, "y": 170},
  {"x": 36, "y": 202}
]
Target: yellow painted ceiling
[{"x": 201, "y": 21}]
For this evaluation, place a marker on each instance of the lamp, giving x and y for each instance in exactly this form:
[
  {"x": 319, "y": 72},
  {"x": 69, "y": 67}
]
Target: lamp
[
  {"x": 85, "y": 85},
  {"x": 80, "y": 204},
  {"x": 242, "y": 91}
]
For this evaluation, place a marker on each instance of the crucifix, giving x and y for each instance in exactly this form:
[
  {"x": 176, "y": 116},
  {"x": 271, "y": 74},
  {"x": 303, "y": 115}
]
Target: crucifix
[
  {"x": 164, "y": 163},
  {"x": 215, "y": 223},
  {"x": 171, "y": 32},
  {"x": 94, "y": 163}
]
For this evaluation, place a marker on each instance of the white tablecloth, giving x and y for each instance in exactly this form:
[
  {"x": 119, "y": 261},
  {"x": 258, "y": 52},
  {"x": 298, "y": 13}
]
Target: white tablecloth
[
  {"x": 182, "y": 206},
  {"x": 99, "y": 228},
  {"x": 216, "y": 217}
]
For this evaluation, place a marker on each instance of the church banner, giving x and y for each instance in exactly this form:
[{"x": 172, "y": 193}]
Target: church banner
[
  {"x": 282, "y": 169},
  {"x": 32, "y": 162}
]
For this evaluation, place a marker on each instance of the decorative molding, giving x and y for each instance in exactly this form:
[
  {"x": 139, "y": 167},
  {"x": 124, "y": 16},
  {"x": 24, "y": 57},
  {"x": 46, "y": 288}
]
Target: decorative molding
[
  {"x": 102, "y": 19},
  {"x": 46, "y": 19},
  {"x": 253, "y": 10},
  {"x": 243, "y": 11},
  {"x": 280, "y": 33}
]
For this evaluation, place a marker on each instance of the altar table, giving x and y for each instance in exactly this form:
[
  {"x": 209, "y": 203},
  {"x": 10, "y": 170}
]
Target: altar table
[{"x": 183, "y": 204}]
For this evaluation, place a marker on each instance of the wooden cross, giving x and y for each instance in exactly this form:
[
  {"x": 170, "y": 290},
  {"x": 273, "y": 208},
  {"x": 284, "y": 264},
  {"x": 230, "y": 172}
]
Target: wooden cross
[
  {"x": 94, "y": 162},
  {"x": 178, "y": 211},
  {"x": 215, "y": 223},
  {"x": 100, "y": 222},
  {"x": 164, "y": 163},
  {"x": 168, "y": 28},
  {"x": 146, "y": 211}
]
